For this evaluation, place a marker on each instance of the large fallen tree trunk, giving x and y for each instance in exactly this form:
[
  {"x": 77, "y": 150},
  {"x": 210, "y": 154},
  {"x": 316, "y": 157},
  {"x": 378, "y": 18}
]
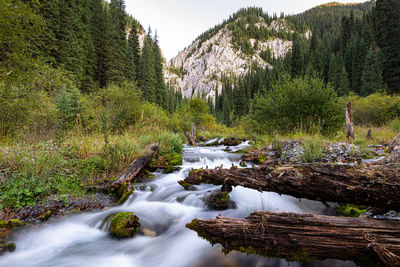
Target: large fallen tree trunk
[
  {"x": 134, "y": 168},
  {"x": 371, "y": 185},
  {"x": 301, "y": 237}
]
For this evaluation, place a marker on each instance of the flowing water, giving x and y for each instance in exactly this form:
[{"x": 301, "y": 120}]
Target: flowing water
[{"x": 164, "y": 208}]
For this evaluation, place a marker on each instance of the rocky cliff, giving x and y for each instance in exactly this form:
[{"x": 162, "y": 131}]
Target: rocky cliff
[{"x": 198, "y": 69}]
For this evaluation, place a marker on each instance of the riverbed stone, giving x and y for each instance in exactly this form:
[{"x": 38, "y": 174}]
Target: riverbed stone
[{"x": 124, "y": 225}]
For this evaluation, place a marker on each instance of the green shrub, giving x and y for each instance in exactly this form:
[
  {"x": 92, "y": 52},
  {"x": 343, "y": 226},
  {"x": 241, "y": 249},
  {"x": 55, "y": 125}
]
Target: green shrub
[
  {"x": 395, "y": 125},
  {"x": 375, "y": 110},
  {"x": 302, "y": 104},
  {"x": 169, "y": 143}
]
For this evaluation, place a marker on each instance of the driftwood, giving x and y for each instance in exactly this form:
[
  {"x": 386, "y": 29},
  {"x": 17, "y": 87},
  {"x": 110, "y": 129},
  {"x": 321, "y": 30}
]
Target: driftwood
[
  {"x": 192, "y": 135},
  {"x": 349, "y": 123},
  {"x": 134, "y": 168},
  {"x": 394, "y": 143},
  {"x": 371, "y": 185},
  {"x": 303, "y": 237}
]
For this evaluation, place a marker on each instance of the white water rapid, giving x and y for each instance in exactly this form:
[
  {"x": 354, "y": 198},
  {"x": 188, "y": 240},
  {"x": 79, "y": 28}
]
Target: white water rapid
[{"x": 164, "y": 208}]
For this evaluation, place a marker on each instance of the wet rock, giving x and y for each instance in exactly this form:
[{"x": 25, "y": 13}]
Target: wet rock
[
  {"x": 217, "y": 200},
  {"x": 124, "y": 225},
  {"x": 146, "y": 188},
  {"x": 60, "y": 207},
  {"x": 148, "y": 232}
]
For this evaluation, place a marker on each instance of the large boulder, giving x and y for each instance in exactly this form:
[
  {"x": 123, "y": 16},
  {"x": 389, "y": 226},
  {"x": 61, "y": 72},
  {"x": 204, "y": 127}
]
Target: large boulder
[{"x": 124, "y": 225}]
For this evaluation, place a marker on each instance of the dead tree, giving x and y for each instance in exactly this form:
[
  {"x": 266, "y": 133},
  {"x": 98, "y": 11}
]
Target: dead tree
[
  {"x": 349, "y": 123},
  {"x": 306, "y": 236},
  {"x": 371, "y": 185},
  {"x": 134, "y": 168}
]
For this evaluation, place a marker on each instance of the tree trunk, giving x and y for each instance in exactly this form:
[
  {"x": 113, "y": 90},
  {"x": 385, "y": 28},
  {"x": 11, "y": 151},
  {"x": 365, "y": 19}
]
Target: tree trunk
[
  {"x": 371, "y": 185},
  {"x": 134, "y": 168},
  {"x": 302, "y": 237},
  {"x": 349, "y": 123},
  {"x": 394, "y": 143}
]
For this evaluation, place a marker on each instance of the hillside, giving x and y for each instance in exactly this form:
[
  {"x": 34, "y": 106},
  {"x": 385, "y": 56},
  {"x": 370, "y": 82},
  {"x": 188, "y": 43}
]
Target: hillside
[{"x": 249, "y": 37}]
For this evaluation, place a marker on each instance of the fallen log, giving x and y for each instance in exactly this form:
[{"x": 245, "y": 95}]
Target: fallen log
[
  {"x": 304, "y": 237},
  {"x": 394, "y": 143},
  {"x": 371, "y": 185},
  {"x": 134, "y": 168}
]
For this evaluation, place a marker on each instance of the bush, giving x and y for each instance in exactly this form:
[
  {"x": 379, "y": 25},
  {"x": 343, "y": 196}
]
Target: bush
[
  {"x": 395, "y": 125},
  {"x": 302, "y": 104},
  {"x": 169, "y": 143},
  {"x": 375, "y": 110}
]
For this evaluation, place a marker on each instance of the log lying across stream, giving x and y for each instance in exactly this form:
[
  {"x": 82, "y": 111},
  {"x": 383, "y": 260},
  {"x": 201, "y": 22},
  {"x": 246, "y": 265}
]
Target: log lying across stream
[
  {"x": 371, "y": 185},
  {"x": 135, "y": 167},
  {"x": 302, "y": 237}
]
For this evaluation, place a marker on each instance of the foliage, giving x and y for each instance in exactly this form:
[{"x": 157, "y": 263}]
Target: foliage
[
  {"x": 313, "y": 149},
  {"x": 375, "y": 110},
  {"x": 301, "y": 104}
]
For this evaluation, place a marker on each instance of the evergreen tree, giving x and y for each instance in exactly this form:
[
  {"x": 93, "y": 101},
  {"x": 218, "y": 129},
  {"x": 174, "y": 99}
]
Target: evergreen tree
[
  {"x": 147, "y": 78},
  {"x": 297, "y": 60},
  {"x": 371, "y": 80},
  {"x": 116, "y": 52},
  {"x": 133, "y": 53},
  {"x": 159, "y": 74},
  {"x": 387, "y": 32}
]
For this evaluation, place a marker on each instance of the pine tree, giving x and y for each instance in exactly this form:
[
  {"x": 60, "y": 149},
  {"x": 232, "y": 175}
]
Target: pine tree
[
  {"x": 387, "y": 32},
  {"x": 147, "y": 76},
  {"x": 360, "y": 50},
  {"x": 46, "y": 46},
  {"x": 133, "y": 53},
  {"x": 371, "y": 80},
  {"x": 159, "y": 74},
  {"x": 297, "y": 60},
  {"x": 116, "y": 52}
]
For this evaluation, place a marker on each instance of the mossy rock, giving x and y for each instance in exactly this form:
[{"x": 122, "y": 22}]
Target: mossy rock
[
  {"x": 11, "y": 224},
  {"x": 124, "y": 225},
  {"x": 176, "y": 160},
  {"x": 125, "y": 196},
  {"x": 217, "y": 200},
  {"x": 350, "y": 211},
  {"x": 10, "y": 247}
]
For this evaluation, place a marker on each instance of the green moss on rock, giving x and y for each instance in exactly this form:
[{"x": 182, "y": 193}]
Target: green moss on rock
[
  {"x": 350, "y": 211},
  {"x": 124, "y": 225}
]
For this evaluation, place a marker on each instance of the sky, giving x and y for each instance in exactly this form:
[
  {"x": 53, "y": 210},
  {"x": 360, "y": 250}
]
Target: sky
[{"x": 180, "y": 22}]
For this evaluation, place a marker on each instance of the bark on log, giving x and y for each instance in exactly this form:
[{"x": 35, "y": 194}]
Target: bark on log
[
  {"x": 349, "y": 123},
  {"x": 371, "y": 185},
  {"x": 394, "y": 143},
  {"x": 302, "y": 237},
  {"x": 134, "y": 168}
]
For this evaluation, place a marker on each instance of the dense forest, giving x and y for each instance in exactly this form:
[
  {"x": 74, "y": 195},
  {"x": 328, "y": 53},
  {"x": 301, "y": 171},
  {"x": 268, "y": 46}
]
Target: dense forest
[
  {"x": 351, "y": 50},
  {"x": 56, "y": 53}
]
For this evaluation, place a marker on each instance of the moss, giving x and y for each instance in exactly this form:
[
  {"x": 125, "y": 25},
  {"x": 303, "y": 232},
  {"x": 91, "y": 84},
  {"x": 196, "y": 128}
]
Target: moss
[
  {"x": 218, "y": 200},
  {"x": 350, "y": 211},
  {"x": 11, "y": 224},
  {"x": 124, "y": 225},
  {"x": 185, "y": 185},
  {"x": 176, "y": 160},
  {"x": 243, "y": 164},
  {"x": 169, "y": 169},
  {"x": 45, "y": 216},
  {"x": 125, "y": 196},
  {"x": 10, "y": 247}
]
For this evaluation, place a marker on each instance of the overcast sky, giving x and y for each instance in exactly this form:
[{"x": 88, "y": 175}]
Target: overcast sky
[{"x": 179, "y": 22}]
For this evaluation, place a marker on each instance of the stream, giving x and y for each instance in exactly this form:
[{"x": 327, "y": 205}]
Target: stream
[{"x": 164, "y": 208}]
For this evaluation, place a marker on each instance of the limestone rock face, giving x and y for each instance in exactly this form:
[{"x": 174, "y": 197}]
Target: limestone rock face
[{"x": 198, "y": 69}]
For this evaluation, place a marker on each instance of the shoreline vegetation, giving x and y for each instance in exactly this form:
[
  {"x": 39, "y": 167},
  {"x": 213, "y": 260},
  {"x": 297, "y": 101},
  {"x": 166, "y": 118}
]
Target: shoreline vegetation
[{"x": 81, "y": 98}]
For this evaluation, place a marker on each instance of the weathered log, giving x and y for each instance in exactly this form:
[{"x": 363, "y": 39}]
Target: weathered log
[
  {"x": 349, "y": 123},
  {"x": 394, "y": 143},
  {"x": 303, "y": 237},
  {"x": 371, "y": 185},
  {"x": 192, "y": 135},
  {"x": 134, "y": 168}
]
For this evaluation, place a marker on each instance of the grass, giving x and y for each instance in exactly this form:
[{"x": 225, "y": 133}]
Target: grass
[
  {"x": 63, "y": 167},
  {"x": 313, "y": 149}
]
